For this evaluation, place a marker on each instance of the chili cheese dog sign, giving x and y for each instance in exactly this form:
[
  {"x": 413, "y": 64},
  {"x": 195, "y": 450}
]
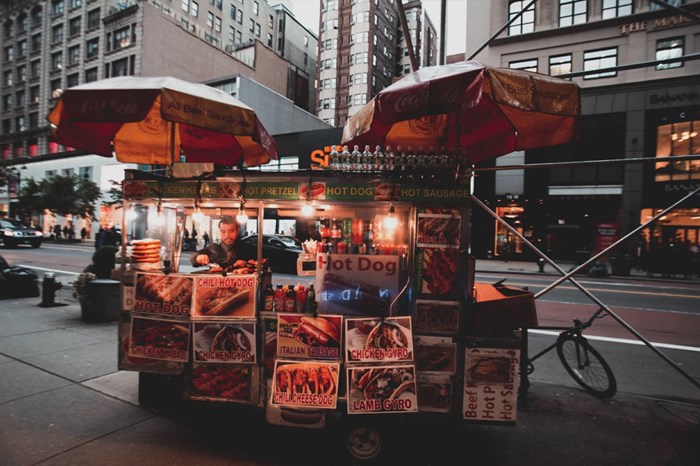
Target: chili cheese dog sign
[{"x": 309, "y": 384}]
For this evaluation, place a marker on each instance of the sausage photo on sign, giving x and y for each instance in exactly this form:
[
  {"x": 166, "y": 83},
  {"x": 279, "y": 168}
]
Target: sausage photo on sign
[
  {"x": 314, "y": 190},
  {"x": 317, "y": 331},
  {"x": 220, "y": 301}
]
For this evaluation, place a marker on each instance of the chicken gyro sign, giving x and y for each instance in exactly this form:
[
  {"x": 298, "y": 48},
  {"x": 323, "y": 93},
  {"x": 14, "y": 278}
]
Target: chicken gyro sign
[
  {"x": 375, "y": 339},
  {"x": 224, "y": 342},
  {"x": 308, "y": 337},
  {"x": 305, "y": 384}
]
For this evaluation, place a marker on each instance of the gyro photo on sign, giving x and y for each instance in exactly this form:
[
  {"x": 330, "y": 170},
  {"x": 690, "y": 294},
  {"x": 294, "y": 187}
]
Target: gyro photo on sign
[
  {"x": 224, "y": 342},
  {"x": 389, "y": 339},
  {"x": 386, "y": 389}
]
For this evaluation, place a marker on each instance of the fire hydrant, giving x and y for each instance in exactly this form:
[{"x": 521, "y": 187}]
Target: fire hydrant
[
  {"x": 49, "y": 287},
  {"x": 540, "y": 264}
]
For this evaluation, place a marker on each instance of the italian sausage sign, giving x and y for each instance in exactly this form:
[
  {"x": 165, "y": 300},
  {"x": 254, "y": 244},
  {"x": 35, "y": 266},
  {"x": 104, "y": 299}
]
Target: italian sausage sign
[{"x": 356, "y": 284}]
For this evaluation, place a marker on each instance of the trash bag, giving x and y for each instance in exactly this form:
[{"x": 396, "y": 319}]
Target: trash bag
[{"x": 17, "y": 282}]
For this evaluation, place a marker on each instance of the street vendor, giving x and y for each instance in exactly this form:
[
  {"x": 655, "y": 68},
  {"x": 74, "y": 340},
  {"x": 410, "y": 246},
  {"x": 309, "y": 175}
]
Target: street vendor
[{"x": 227, "y": 254}]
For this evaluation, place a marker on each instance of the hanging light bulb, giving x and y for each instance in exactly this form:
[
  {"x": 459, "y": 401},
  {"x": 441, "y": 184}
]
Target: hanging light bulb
[
  {"x": 157, "y": 218},
  {"x": 390, "y": 221},
  {"x": 242, "y": 217},
  {"x": 307, "y": 210},
  {"x": 197, "y": 215}
]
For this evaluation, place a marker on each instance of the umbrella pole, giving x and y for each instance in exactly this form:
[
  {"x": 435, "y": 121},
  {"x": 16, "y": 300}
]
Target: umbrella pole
[{"x": 169, "y": 171}]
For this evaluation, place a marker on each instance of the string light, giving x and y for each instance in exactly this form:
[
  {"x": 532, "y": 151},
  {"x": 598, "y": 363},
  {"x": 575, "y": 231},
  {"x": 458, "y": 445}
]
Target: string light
[
  {"x": 390, "y": 221},
  {"x": 242, "y": 217}
]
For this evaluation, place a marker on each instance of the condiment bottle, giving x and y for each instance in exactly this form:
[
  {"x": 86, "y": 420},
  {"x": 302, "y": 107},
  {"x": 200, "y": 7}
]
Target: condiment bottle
[
  {"x": 311, "y": 304},
  {"x": 301, "y": 298},
  {"x": 290, "y": 300},
  {"x": 269, "y": 301},
  {"x": 279, "y": 299}
]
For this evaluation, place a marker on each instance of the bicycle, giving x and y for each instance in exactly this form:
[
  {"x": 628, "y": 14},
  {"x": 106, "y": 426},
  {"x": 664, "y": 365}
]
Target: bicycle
[{"x": 583, "y": 362}]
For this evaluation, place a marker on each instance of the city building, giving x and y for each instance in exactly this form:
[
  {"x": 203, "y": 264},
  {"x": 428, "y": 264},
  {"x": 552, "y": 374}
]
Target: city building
[
  {"x": 636, "y": 63},
  {"x": 361, "y": 51},
  {"x": 50, "y": 45}
]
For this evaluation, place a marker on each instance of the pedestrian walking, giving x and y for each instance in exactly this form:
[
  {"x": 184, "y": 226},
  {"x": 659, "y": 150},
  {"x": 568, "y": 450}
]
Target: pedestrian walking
[
  {"x": 57, "y": 231},
  {"x": 83, "y": 233}
]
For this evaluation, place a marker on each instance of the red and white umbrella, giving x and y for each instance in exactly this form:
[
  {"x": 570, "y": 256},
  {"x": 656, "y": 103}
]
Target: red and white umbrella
[
  {"x": 153, "y": 120},
  {"x": 481, "y": 112}
]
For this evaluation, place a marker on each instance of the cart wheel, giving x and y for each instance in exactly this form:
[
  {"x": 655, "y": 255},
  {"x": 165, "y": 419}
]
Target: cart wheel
[{"x": 364, "y": 442}]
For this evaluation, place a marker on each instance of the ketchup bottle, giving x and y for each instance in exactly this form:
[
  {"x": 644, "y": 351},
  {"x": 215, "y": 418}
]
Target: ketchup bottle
[
  {"x": 301, "y": 298},
  {"x": 279, "y": 299},
  {"x": 290, "y": 300}
]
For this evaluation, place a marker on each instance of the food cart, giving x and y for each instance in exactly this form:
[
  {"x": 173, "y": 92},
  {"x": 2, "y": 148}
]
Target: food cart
[{"x": 393, "y": 330}]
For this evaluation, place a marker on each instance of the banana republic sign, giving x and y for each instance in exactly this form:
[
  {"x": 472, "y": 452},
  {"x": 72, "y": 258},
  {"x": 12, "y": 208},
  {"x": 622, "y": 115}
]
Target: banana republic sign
[{"x": 655, "y": 24}]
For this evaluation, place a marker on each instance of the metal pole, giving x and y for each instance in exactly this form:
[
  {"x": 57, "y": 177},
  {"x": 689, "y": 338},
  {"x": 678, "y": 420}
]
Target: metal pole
[
  {"x": 443, "y": 31},
  {"x": 579, "y": 163},
  {"x": 588, "y": 293}
]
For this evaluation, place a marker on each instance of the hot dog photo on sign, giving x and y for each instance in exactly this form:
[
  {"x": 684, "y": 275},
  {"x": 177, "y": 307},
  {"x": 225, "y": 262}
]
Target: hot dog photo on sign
[
  {"x": 219, "y": 297},
  {"x": 158, "y": 293},
  {"x": 309, "y": 337},
  {"x": 310, "y": 384},
  {"x": 438, "y": 229},
  {"x": 314, "y": 190},
  {"x": 389, "y": 339}
]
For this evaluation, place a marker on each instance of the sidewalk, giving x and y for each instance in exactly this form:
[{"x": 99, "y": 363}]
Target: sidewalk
[{"x": 63, "y": 402}]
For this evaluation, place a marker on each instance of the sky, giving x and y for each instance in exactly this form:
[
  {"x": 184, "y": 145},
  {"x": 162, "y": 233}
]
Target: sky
[{"x": 307, "y": 12}]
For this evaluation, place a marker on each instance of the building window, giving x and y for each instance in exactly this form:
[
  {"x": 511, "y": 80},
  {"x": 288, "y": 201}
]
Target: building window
[
  {"x": 72, "y": 80},
  {"x": 210, "y": 19},
  {"x": 22, "y": 49},
  {"x": 56, "y": 61},
  {"x": 91, "y": 75},
  {"x": 74, "y": 55},
  {"x": 527, "y": 65},
  {"x": 270, "y": 22},
  {"x": 677, "y": 139},
  {"x": 74, "y": 26},
  {"x": 256, "y": 8},
  {"x": 269, "y": 39},
  {"x": 7, "y": 102},
  {"x": 36, "y": 43},
  {"x": 35, "y": 69},
  {"x": 9, "y": 54},
  {"x": 186, "y": 6},
  {"x": 257, "y": 29},
  {"x": 20, "y": 99},
  {"x": 669, "y": 48},
  {"x": 239, "y": 16},
  {"x": 572, "y": 12},
  {"x": 598, "y": 60},
  {"x": 120, "y": 67},
  {"x": 93, "y": 19},
  {"x": 7, "y": 30},
  {"x": 57, "y": 7},
  {"x": 560, "y": 64},
  {"x": 21, "y": 125},
  {"x": 73, "y": 4},
  {"x": 21, "y": 74},
  {"x": 7, "y": 78},
  {"x": 92, "y": 48},
  {"x": 194, "y": 9},
  {"x": 34, "y": 95},
  {"x": 525, "y": 22},
  {"x": 239, "y": 37},
  {"x": 217, "y": 24},
  {"x": 120, "y": 38},
  {"x": 615, "y": 8},
  {"x": 57, "y": 34},
  {"x": 56, "y": 89},
  {"x": 37, "y": 17}
]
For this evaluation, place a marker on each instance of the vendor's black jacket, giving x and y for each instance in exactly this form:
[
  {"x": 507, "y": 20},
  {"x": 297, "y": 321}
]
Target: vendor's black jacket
[{"x": 221, "y": 254}]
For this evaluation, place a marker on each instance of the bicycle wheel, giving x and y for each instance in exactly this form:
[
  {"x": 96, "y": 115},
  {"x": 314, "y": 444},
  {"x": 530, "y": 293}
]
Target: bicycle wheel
[{"x": 586, "y": 366}]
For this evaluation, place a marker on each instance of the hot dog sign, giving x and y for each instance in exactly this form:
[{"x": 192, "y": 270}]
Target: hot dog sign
[{"x": 356, "y": 284}]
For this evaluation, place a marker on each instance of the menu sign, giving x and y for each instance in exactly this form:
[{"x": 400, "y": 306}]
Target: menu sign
[
  {"x": 356, "y": 284},
  {"x": 218, "y": 296},
  {"x": 162, "y": 294},
  {"x": 222, "y": 382},
  {"x": 374, "y": 339},
  {"x": 386, "y": 389},
  {"x": 224, "y": 342},
  {"x": 307, "y": 384},
  {"x": 308, "y": 337},
  {"x": 439, "y": 229},
  {"x": 159, "y": 339},
  {"x": 491, "y": 378}
]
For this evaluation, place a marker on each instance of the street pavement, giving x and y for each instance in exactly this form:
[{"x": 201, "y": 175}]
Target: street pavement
[{"x": 64, "y": 402}]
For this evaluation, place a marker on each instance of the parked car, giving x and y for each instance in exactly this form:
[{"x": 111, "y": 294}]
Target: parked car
[
  {"x": 281, "y": 251},
  {"x": 13, "y": 233}
]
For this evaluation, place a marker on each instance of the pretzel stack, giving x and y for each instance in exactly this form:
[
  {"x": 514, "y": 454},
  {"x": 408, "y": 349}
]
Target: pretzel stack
[{"x": 145, "y": 252}]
